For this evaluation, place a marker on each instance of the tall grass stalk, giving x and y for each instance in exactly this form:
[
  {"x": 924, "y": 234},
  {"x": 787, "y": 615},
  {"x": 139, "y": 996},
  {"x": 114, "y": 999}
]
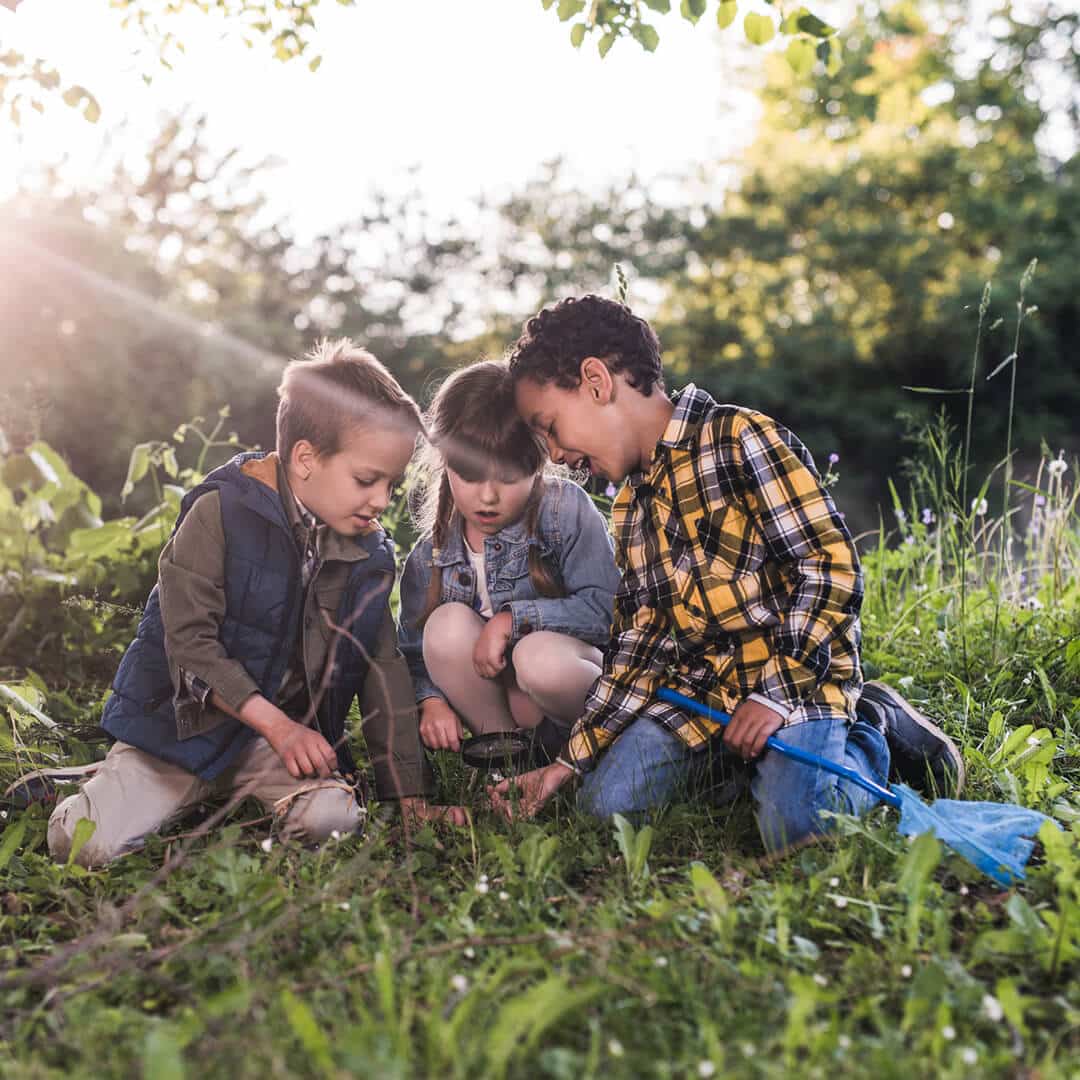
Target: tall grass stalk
[{"x": 1012, "y": 359}]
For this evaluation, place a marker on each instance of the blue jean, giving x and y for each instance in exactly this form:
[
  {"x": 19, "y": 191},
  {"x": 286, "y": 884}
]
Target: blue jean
[{"x": 647, "y": 767}]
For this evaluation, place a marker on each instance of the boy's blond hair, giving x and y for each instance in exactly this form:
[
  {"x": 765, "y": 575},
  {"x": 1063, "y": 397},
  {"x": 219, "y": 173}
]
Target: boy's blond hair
[{"x": 336, "y": 387}]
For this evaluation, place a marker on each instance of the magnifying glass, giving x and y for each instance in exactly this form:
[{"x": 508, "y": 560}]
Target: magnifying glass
[{"x": 498, "y": 751}]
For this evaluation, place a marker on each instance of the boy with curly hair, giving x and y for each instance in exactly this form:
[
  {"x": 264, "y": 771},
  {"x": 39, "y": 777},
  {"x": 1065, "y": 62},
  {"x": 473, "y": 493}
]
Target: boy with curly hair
[{"x": 741, "y": 587}]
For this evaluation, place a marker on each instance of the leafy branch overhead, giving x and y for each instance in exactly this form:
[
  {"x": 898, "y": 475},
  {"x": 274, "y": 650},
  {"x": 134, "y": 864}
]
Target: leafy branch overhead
[
  {"x": 812, "y": 39},
  {"x": 289, "y": 30}
]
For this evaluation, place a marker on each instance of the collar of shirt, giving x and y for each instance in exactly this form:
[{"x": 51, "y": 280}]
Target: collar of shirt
[{"x": 691, "y": 407}]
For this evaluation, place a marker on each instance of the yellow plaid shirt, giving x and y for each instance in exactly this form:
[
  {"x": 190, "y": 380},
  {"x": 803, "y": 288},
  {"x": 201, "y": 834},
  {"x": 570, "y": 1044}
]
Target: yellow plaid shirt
[{"x": 739, "y": 577}]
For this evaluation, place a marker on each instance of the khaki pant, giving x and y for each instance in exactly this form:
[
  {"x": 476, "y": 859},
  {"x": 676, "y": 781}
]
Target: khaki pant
[{"x": 134, "y": 794}]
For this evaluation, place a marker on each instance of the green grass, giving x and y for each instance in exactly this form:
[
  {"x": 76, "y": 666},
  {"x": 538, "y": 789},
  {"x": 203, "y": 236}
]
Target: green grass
[{"x": 569, "y": 947}]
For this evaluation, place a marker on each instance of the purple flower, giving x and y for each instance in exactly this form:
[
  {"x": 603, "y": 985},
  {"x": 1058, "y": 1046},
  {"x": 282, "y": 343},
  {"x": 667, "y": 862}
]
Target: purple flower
[
  {"x": 834, "y": 458},
  {"x": 927, "y": 516},
  {"x": 1040, "y": 500},
  {"x": 610, "y": 491}
]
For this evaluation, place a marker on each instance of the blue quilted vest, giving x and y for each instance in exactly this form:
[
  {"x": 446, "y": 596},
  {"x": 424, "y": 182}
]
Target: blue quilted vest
[{"x": 263, "y": 601}]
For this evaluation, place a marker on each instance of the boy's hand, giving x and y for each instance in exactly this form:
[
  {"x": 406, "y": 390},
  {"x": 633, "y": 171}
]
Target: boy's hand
[
  {"x": 489, "y": 655},
  {"x": 303, "y": 749},
  {"x": 419, "y": 810},
  {"x": 440, "y": 726},
  {"x": 534, "y": 789},
  {"x": 751, "y": 724}
]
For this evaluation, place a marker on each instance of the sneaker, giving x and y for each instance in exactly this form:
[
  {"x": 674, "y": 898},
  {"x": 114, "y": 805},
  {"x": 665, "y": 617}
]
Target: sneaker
[
  {"x": 41, "y": 785},
  {"x": 923, "y": 756}
]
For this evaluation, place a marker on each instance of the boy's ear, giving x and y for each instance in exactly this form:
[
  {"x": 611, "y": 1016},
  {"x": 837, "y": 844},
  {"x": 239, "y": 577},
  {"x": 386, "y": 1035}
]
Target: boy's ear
[
  {"x": 302, "y": 458},
  {"x": 597, "y": 380}
]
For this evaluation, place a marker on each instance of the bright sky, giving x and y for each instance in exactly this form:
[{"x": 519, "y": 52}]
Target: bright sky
[{"x": 477, "y": 93}]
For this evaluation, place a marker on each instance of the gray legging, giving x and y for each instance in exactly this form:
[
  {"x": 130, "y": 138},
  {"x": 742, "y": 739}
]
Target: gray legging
[{"x": 549, "y": 674}]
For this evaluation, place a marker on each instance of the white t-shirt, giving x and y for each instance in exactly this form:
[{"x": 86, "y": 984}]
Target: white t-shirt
[{"x": 479, "y": 565}]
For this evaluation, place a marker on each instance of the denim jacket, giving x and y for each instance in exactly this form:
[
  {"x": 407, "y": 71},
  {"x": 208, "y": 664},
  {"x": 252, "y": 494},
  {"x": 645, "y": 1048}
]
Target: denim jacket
[{"x": 571, "y": 532}]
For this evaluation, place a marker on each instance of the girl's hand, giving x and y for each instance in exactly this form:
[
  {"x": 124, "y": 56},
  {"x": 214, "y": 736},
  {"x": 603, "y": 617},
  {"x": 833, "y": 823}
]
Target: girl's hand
[
  {"x": 419, "y": 810},
  {"x": 533, "y": 790},
  {"x": 489, "y": 655},
  {"x": 440, "y": 726}
]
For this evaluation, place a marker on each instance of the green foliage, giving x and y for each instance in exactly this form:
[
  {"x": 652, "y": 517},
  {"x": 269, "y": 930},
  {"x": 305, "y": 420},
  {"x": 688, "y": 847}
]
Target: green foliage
[{"x": 611, "y": 20}]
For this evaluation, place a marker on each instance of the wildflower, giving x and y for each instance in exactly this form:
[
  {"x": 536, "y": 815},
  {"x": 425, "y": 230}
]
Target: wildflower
[
  {"x": 834, "y": 882},
  {"x": 470, "y": 952},
  {"x": 615, "y": 1048},
  {"x": 3, "y": 815},
  {"x": 900, "y": 515},
  {"x": 979, "y": 507},
  {"x": 335, "y": 834},
  {"x": 969, "y": 1055},
  {"x": 948, "y": 1032},
  {"x": 344, "y": 905},
  {"x": 834, "y": 458},
  {"x": 1057, "y": 466},
  {"x": 820, "y": 979},
  {"x": 992, "y": 1008},
  {"x": 459, "y": 983},
  {"x": 504, "y": 895},
  {"x": 909, "y": 540},
  {"x": 905, "y": 972},
  {"x": 844, "y": 1042},
  {"x": 840, "y": 901},
  {"x": 610, "y": 491},
  {"x": 748, "y": 1049},
  {"x": 483, "y": 877},
  {"x": 928, "y": 516},
  {"x": 482, "y": 887},
  {"x": 1040, "y": 500},
  {"x": 906, "y": 682},
  {"x": 942, "y": 638},
  {"x": 706, "y": 1069},
  {"x": 661, "y": 961},
  {"x": 266, "y": 844},
  {"x": 964, "y": 890}
]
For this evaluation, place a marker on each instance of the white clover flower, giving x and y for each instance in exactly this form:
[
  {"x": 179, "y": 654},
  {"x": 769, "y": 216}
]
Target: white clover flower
[
  {"x": 992, "y": 1008},
  {"x": 969, "y": 1055},
  {"x": 504, "y": 895},
  {"x": 1057, "y": 466},
  {"x": 844, "y": 1042},
  {"x": 3, "y": 815},
  {"x": 834, "y": 882},
  {"x": 748, "y": 1049},
  {"x": 948, "y": 1032},
  {"x": 344, "y": 905},
  {"x": 482, "y": 887},
  {"x": 905, "y": 971},
  {"x": 615, "y": 1048},
  {"x": 840, "y": 901},
  {"x": 483, "y": 877},
  {"x": 470, "y": 952},
  {"x": 706, "y": 1069},
  {"x": 335, "y": 834},
  {"x": 964, "y": 890},
  {"x": 661, "y": 961},
  {"x": 459, "y": 983},
  {"x": 820, "y": 979},
  {"x": 266, "y": 844}
]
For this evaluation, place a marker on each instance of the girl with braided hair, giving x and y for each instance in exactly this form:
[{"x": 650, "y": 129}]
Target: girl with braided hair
[{"x": 508, "y": 595}]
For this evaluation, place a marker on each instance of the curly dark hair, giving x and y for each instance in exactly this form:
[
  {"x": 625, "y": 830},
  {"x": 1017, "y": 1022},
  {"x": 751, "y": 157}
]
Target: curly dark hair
[{"x": 554, "y": 343}]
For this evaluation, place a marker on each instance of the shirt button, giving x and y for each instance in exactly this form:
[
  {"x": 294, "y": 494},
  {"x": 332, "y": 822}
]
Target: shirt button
[{"x": 497, "y": 546}]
